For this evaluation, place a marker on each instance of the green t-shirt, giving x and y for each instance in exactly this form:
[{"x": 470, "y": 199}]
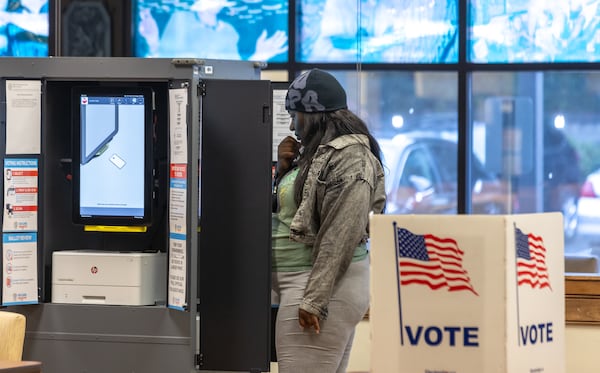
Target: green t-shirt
[{"x": 289, "y": 255}]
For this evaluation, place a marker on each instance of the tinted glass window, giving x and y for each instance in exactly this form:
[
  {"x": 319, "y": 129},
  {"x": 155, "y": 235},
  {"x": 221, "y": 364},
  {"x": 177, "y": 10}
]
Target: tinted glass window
[
  {"x": 549, "y": 146},
  {"x": 234, "y": 30},
  {"x": 446, "y": 156},
  {"x": 533, "y": 31},
  {"x": 385, "y": 31}
]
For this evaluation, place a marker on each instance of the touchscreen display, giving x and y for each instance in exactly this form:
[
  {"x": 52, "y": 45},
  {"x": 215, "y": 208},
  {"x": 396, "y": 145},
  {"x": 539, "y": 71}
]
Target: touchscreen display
[{"x": 112, "y": 155}]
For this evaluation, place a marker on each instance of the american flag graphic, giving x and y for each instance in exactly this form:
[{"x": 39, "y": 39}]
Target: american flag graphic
[
  {"x": 432, "y": 261},
  {"x": 531, "y": 260}
]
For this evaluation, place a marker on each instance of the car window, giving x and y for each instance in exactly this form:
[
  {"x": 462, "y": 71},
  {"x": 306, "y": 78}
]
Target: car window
[
  {"x": 445, "y": 155},
  {"x": 417, "y": 171}
]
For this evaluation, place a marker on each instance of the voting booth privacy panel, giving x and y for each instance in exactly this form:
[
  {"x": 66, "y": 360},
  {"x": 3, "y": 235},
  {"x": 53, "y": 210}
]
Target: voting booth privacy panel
[
  {"x": 136, "y": 212},
  {"x": 467, "y": 293}
]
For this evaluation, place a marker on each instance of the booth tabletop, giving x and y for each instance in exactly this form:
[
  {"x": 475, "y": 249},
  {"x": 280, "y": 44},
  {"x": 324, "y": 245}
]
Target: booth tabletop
[{"x": 20, "y": 366}]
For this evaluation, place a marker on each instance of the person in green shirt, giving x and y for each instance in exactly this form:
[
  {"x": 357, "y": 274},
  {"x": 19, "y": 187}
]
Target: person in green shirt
[{"x": 328, "y": 181}]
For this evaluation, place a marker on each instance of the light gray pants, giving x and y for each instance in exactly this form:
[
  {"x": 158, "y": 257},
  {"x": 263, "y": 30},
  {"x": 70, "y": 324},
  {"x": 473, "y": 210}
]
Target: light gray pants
[{"x": 304, "y": 351}]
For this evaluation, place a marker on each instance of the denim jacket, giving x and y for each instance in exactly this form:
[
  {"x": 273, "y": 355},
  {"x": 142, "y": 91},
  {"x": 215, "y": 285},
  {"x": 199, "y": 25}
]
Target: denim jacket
[{"x": 345, "y": 184}]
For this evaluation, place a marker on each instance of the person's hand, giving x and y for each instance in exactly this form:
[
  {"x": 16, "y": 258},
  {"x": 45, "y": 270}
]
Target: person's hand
[
  {"x": 308, "y": 320},
  {"x": 287, "y": 151},
  {"x": 268, "y": 47}
]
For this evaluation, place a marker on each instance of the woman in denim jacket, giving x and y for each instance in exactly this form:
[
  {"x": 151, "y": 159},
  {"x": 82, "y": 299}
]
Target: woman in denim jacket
[{"x": 327, "y": 185}]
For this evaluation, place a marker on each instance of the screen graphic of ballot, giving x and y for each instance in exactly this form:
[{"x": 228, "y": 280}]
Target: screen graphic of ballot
[{"x": 117, "y": 161}]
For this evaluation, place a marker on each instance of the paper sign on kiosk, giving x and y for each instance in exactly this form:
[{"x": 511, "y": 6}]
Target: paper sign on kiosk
[
  {"x": 23, "y": 116},
  {"x": 177, "y": 275}
]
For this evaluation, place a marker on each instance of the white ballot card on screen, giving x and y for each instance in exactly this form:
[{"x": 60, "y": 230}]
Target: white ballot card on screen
[{"x": 117, "y": 161}]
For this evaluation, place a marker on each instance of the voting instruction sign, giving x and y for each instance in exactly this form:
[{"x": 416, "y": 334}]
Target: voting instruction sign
[{"x": 467, "y": 293}]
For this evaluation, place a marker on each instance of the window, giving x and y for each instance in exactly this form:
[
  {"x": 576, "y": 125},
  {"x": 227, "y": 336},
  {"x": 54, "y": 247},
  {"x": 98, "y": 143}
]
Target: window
[
  {"x": 24, "y": 29},
  {"x": 545, "y": 127},
  {"x": 342, "y": 31},
  {"x": 514, "y": 98},
  {"x": 533, "y": 31},
  {"x": 530, "y": 129},
  {"x": 236, "y": 30}
]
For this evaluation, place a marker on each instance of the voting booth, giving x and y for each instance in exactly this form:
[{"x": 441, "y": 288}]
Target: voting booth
[
  {"x": 467, "y": 293},
  {"x": 136, "y": 212}
]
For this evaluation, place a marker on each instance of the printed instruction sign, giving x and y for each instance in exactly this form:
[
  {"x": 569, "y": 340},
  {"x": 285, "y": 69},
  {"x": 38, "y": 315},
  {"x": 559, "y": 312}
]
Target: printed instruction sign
[
  {"x": 177, "y": 236},
  {"x": 178, "y": 140},
  {"x": 19, "y": 268},
  {"x": 23, "y": 116},
  {"x": 281, "y": 120},
  {"x": 178, "y": 100},
  {"x": 20, "y": 195}
]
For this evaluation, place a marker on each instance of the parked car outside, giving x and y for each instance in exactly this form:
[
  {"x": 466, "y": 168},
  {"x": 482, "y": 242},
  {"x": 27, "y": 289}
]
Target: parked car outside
[{"x": 421, "y": 177}]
